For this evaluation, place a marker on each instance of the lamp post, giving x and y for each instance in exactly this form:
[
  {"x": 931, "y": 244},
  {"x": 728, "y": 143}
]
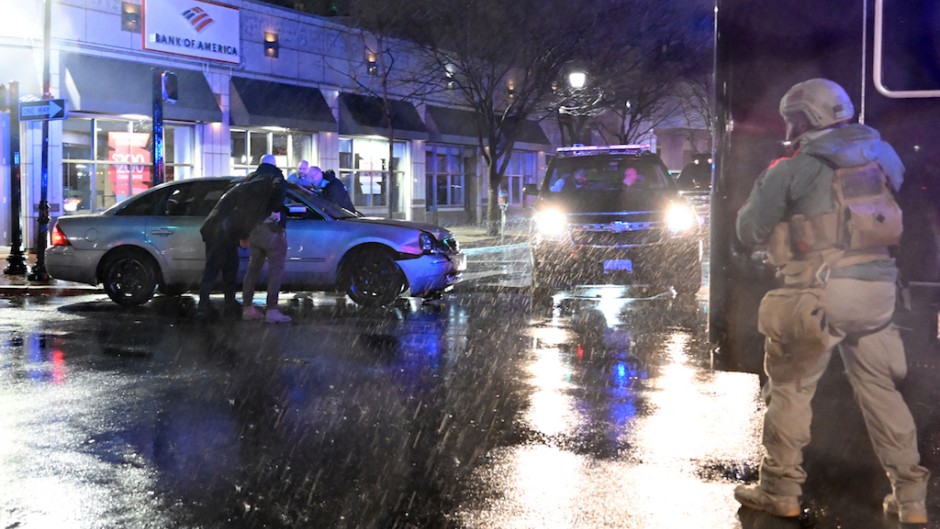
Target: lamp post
[
  {"x": 39, "y": 272},
  {"x": 16, "y": 261}
]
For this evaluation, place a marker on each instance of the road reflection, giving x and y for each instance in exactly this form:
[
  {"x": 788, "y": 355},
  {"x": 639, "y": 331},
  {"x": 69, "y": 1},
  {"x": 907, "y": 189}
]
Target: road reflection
[
  {"x": 626, "y": 424},
  {"x": 477, "y": 411}
]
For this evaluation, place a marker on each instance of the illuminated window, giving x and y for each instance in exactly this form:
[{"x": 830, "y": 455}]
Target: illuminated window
[
  {"x": 521, "y": 171},
  {"x": 363, "y": 168},
  {"x": 288, "y": 148},
  {"x": 446, "y": 173},
  {"x": 106, "y": 160}
]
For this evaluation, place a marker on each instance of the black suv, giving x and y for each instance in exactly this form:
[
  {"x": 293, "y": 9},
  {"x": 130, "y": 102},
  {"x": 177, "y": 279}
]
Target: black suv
[{"x": 613, "y": 214}]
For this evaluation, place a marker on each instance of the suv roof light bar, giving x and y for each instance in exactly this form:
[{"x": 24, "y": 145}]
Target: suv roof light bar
[{"x": 585, "y": 149}]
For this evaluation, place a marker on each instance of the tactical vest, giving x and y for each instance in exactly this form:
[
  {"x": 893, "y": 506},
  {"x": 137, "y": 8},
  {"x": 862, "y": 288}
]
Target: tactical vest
[{"x": 864, "y": 222}]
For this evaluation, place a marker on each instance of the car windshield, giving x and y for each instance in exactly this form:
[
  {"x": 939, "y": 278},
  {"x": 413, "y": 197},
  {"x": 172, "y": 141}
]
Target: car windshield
[
  {"x": 314, "y": 199},
  {"x": 604, "y": 174}
]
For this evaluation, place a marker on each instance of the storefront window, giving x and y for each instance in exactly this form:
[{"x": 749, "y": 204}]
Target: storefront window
[
  {"x": 107, "y": 160},
  {"x": 288, "y": 148},
  {"x": 521, "y": 170},
  {"x": 445, "y": 167},
  {"x": 178, "y": 152},
  {"x": 363, "y": 168}
]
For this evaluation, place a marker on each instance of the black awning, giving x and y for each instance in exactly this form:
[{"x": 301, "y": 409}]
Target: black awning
[
  {"x": 451, "y": 125},
  {"x": 362, "y": 115},
  {"x": 531, "y": 132},
  {"x": 20, "y": 65},
  {"x": 99, "y": 84},
  {"x": 269, "y": 104}
]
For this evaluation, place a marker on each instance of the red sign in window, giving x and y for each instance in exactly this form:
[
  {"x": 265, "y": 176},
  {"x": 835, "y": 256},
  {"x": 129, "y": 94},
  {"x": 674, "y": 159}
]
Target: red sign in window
[{"x": 130, "y": 157}]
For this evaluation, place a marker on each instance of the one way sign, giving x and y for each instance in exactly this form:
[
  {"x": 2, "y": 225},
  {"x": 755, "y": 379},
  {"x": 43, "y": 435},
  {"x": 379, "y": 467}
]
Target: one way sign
[{"x": 44, "y": 109}]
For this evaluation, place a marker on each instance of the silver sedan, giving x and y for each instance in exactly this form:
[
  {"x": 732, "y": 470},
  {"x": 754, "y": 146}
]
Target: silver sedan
[{"x": 151, "y": 243}]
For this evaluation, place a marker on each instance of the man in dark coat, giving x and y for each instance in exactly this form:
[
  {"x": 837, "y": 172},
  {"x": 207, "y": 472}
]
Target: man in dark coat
[
  {"x": 333, "y": 190},
  {"x": 239, "y": 210}
]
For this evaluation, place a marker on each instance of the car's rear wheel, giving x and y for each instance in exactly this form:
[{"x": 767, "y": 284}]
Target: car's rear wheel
[
  {"x": 129, "y": 277},
  {"x": 372, "y": 278}
]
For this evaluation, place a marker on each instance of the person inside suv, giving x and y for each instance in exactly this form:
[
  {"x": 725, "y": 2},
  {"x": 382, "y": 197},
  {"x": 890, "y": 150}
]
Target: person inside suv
[
  {"x": 632, "y": 178},
  {"x": 578, "y": 180}
]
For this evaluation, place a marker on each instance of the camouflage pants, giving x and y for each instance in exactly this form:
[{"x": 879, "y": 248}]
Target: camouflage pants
[{"x": 859, "y": 317}]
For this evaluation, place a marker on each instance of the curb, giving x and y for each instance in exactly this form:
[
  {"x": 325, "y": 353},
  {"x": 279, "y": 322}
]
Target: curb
[{"x": 49, "y": 289}]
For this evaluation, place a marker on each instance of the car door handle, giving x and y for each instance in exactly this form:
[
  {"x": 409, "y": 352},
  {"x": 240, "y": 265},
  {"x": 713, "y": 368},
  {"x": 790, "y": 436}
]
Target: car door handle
[{"x": 164, "y": 232}]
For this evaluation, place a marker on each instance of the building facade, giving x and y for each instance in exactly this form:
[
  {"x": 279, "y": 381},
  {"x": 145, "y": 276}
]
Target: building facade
[{"x": 251, "y": 78}]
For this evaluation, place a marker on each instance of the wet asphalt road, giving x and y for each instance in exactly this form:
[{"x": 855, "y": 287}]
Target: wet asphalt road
[{"x": 480, "y": 411}]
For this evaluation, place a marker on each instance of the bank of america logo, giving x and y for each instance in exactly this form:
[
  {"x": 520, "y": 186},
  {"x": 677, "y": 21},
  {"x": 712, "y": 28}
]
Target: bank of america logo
[{"x": 198, "y": 18}]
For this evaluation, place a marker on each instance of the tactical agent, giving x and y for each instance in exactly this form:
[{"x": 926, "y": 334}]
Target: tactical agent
[{"x": 831, "y": 224}]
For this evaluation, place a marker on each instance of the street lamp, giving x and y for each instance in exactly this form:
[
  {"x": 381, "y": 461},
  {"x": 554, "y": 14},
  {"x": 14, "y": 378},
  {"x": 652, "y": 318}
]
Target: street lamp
[
  {"x": 577, "y": 80},
  {"x": 578, "y": 103}
]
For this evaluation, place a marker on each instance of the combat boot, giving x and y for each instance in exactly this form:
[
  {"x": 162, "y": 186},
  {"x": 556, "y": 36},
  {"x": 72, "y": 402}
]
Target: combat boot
[
  {"x": 752, "y": 497},
  {"x": 914, "y": 512}
]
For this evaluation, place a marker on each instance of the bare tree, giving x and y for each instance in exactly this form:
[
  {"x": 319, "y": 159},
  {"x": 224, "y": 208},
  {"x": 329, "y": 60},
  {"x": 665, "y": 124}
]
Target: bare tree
[
  {"x": 638, "y": 53},
  {"x": 499, "y": 59},
  {"x": 378, "y": 26},
  {"x": 697, "y": 109},
  {"x": 505, "y": 61}
]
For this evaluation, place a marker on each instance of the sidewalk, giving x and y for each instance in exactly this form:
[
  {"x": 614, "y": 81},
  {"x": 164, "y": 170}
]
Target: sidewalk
[{"x": 20, "y": 284}]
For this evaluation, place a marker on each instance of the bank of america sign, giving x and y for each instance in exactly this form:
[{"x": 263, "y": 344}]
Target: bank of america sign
[{"x": 194, "y": 28}]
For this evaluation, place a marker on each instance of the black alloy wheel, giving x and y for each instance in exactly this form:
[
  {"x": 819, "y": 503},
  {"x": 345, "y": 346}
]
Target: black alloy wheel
[
  {"x": 373, "y": 279},
  {"x": 129, "y": 277}
]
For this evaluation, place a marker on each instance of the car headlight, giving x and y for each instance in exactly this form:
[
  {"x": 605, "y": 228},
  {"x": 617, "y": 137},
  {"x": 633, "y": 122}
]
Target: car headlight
[
  {"x": 551, "y": 223},
  {"x": 680, "y": 218},
  {"x": 429, "y": 244}
]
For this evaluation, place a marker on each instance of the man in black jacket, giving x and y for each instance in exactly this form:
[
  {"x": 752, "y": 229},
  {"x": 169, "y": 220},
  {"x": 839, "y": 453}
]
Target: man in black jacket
[
  {"x": 239, "y": 210},
  {"x": 268, "y": 243},
  {"x": 333, "y": 190}
]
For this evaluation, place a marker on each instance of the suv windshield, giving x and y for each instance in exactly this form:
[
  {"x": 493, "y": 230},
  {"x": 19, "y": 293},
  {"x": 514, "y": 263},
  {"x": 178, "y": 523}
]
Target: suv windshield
[{"x": 605, "y": 173}]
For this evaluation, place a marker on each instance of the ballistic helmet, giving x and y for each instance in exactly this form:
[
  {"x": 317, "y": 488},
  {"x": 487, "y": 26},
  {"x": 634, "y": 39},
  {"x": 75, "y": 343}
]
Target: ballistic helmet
[{"x": 822, "y": 102}]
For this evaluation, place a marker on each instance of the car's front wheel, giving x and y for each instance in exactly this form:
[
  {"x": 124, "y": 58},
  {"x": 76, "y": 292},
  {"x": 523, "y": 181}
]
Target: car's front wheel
[
  {"x": 372, "y": 278},
  {"x": 129, "y": 277}
]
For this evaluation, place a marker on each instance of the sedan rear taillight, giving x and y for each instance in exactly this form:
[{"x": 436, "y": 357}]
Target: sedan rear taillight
[{"x": 58, "y": 238}]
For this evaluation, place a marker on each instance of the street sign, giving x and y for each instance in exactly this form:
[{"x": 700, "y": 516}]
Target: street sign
[{"x": 43, "y": 109}]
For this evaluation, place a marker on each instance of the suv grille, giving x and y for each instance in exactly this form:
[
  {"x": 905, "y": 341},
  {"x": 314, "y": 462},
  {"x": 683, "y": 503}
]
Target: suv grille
[{"x": 612, "y": 238}]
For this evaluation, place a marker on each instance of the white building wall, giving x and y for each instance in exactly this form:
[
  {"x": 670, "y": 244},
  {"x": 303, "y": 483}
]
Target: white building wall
[
  {"x": 216, "y": 153},
  {"x": 313, "y": 51}
]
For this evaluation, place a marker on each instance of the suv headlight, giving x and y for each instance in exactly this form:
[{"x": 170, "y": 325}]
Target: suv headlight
[
  {"x": 680, "y": 218},
  {"x": 550, "y": 223}
]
